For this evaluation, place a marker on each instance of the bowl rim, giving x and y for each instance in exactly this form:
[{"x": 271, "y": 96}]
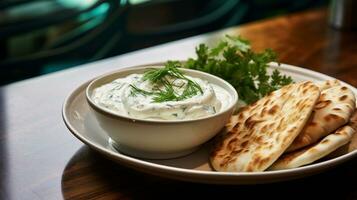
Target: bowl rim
[{"x": 233, "y": 93}]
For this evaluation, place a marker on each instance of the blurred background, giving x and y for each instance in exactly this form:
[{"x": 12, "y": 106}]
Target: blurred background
[{"x": 43, "y": 36}]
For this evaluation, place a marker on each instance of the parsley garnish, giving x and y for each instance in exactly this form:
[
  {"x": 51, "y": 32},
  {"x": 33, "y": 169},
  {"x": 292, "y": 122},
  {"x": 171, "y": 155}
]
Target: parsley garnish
[
  {"x": 163, "y": 80},
  {"x": 234, "y": 61}
]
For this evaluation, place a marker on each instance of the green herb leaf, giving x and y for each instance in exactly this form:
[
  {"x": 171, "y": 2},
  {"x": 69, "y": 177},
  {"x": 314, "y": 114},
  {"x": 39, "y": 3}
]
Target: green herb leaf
[
  {"x": 160, "y": 79},
  {"x": 234, "y": 61}
]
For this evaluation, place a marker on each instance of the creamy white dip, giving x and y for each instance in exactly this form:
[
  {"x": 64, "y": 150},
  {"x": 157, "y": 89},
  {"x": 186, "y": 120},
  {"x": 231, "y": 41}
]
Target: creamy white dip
[{"x": 118, "y": 96}]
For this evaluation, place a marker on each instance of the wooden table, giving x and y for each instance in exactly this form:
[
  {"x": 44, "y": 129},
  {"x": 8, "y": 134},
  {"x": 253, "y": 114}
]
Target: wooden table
[{"x": 40, "y": 159}]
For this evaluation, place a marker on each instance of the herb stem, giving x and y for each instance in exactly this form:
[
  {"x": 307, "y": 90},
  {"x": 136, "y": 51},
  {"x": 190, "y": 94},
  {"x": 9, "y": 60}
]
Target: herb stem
[{"x": 163, "y": 90}]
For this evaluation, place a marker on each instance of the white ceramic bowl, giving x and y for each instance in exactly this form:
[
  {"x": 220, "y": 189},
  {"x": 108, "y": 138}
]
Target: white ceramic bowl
[{"x": 159, "y": 139}]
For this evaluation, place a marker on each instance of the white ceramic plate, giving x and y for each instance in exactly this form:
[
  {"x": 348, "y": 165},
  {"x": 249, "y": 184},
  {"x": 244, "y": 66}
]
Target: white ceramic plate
[{"x": 194, "y": 167}]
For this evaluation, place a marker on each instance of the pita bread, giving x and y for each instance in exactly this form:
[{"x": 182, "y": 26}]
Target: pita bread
[
  {"x": 310, "y": 154},
  {"x": 265, "y": 129},
  {"x": 353, "y": 120},
  {"x": 323, "y": 85},
  {"x": 233, "y": 120},
  {"x": 333, "y": 109},
  {"x": 350, "y": 146},
  {"x": 231, "y": 123}
]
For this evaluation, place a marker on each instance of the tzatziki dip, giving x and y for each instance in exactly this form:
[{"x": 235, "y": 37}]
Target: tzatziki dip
[{"x": 172, "y": 97}]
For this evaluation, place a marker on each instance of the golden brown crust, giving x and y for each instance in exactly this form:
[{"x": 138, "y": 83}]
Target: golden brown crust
[
  {"x": 265, "y": 129},
  {"x": 333, "y": 109},
  {"x": 353, "y": 120},
  {"x": 315, "y": 152}
]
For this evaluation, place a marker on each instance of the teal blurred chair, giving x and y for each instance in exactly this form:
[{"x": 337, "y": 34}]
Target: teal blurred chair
[{"x": 89, "y": 40}]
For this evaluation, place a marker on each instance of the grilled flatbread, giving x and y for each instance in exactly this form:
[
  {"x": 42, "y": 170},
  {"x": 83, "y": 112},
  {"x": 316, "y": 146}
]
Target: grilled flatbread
[
  {"x": 231, "y": 123},
  {"x": 353, "y": 120},
  {"x": 312, "y": 153},
  {"x": 265, "y": 129},
  {"x": 323, "y": 85},
  {"x": 350, "y": 146},
  {"x": 233, "y": 120},
  {"x": 333, "y": 109}
]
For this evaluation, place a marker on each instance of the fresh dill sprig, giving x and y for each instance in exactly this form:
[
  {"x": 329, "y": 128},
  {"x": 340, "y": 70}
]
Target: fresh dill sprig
[
  {"x": 161, "y": 77},
  {"x": 135, "y": 90}
]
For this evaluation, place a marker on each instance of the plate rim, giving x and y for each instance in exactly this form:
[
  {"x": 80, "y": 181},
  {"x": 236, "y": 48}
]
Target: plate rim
[{"x": 152, "y": 168}]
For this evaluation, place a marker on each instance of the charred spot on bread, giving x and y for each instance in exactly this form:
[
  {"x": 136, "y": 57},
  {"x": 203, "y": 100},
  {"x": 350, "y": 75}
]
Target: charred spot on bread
[
  {"x": 344, "y": 97},
  {"x": 322, "y": 104},
  {"x": 331, "y": 117},
  {"x": 273, "y": 110}
]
